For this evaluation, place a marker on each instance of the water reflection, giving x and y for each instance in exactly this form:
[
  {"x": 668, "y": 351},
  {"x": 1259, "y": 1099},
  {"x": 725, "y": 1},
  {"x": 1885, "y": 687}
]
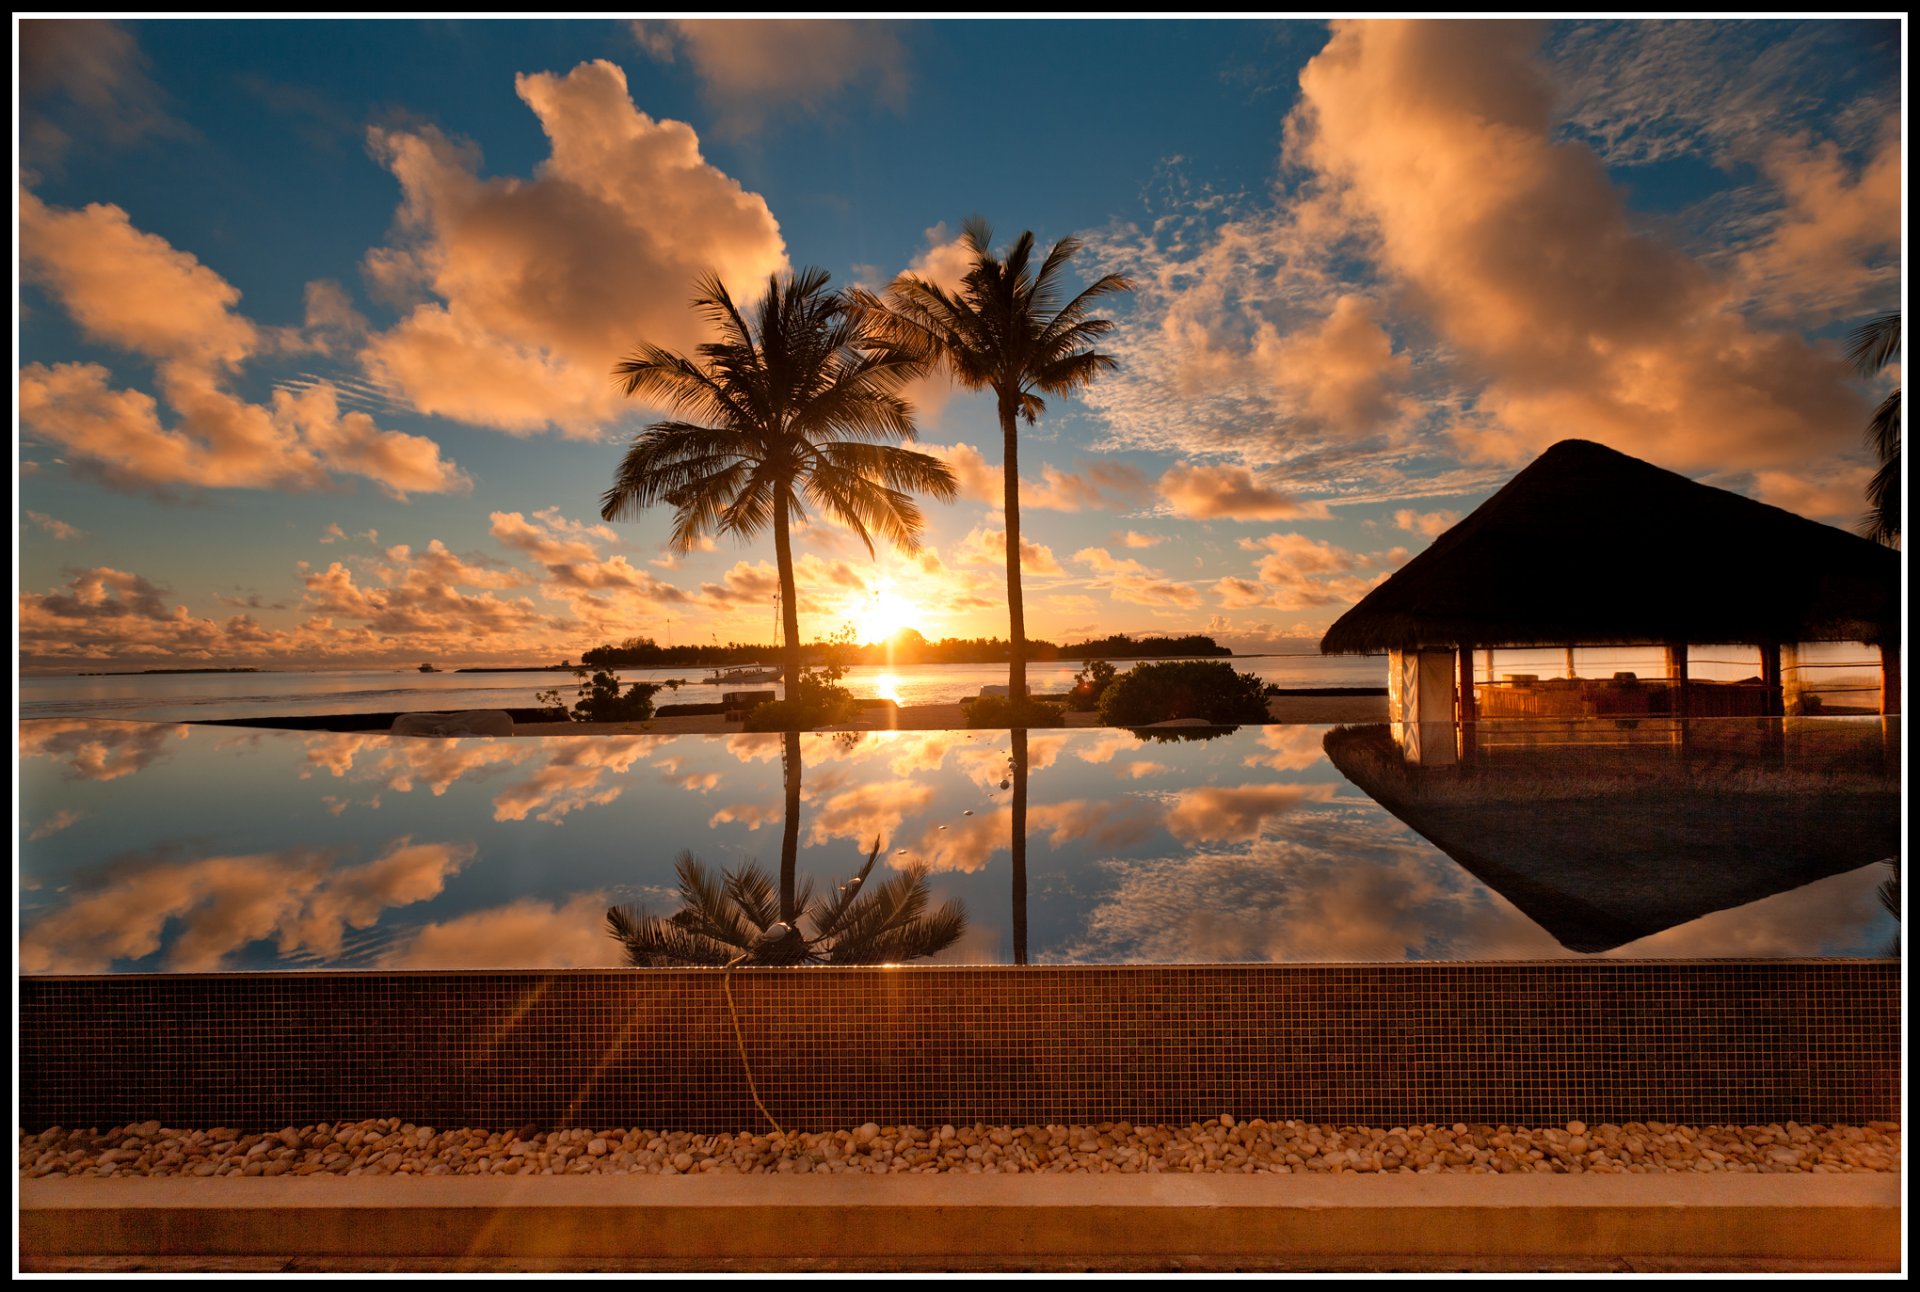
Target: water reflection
[
  {"x": 98, "y": 751},
  {"x": 259, "y": 852},
  {"x": 1606, "y": 845},
  {"x": 304, "y": 900},
  {"x": 733, "y": 919}
]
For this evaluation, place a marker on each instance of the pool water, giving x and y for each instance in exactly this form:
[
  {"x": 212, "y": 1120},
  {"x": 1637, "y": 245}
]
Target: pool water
[{"x": 181, "y": 848}]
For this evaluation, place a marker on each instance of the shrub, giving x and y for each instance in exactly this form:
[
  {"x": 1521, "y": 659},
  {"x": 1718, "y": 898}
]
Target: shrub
[
  {"x": 602, "y": 701},
  {"x": 997, "y": 711},
  {"x": 1209, "y": 689},
  {"x": 792, "y": 715},
  {"x": 1089, "y": 684}
]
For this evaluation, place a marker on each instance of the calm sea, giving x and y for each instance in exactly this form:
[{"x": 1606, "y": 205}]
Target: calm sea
[{"x": 186, "y": 697}]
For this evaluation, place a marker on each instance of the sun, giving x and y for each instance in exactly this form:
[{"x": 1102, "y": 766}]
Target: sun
[{"x": 882, "y": 614}]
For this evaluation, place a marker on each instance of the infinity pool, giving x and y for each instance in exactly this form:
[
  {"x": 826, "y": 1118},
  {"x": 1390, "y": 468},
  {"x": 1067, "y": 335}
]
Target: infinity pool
[{"x": 179, "y": 848}]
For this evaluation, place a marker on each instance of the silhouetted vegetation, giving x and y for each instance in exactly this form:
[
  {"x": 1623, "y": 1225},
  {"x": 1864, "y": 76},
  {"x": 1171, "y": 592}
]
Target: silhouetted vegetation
[
  {"x": 1873, "y": 346},
  {"x": 1089, "y": 684},
  {"x": 601, "y": 700},
  {"x": 907, "y": 646},
  {"x": 1209, "y": 690},
  {"x": 997, "y": 712},
  {"x": 735, "y": 920}
]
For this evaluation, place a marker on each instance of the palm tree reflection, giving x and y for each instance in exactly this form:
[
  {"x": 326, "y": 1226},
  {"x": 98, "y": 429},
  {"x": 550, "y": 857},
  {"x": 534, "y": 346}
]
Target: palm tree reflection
[{"x": 740, "y": 917}]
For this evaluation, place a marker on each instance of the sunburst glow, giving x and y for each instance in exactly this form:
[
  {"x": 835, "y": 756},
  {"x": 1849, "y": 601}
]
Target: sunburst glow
[{"x": 882, "y": 614}]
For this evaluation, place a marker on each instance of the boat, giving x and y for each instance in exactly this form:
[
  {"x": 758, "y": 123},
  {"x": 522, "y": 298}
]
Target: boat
[
  {"x": 744, "y": 673},
  {"x": 428, "y": 668}
]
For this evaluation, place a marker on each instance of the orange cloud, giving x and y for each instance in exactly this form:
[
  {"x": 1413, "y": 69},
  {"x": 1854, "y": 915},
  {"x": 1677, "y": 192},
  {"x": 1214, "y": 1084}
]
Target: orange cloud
[
  {"x": 1834, "y": 248},
  {"x": 135, "y": 291},
  {"x": 537, "y": 286},
  {"x": 988, "y": 547},
  {"x": 1125, "y": 579},
  {"x": 1427, "y": 523},
  {"x": 1519, "y": 252},
  {"x": 1232, "y": 493},
  {"x": 751, "y": 70}
]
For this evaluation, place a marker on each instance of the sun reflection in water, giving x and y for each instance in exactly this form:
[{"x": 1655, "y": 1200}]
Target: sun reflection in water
[{"x": 887, "y": 687}]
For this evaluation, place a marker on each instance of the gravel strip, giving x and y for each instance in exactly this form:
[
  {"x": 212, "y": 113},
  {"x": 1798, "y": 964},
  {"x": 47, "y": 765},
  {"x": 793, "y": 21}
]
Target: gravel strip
[{"x": 392, "y": 1147}]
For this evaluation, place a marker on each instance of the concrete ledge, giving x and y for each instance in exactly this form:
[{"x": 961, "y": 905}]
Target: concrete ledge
[{"x": 1743, "y": 1223}]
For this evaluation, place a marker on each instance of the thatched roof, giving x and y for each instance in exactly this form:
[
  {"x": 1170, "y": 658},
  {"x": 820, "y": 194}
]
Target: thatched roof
[{"x": 1588, "y": 545}]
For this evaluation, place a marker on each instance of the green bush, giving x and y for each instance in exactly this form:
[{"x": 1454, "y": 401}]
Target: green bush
[
  {"x": 1089, "y": 684},
  {"x": 998, "y": 712},
  {"x": 1209, "y": 689}
]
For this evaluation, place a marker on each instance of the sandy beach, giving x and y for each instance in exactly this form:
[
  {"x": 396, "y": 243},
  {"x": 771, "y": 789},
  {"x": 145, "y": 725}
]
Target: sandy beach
[{"x": 1296, "y": 709}]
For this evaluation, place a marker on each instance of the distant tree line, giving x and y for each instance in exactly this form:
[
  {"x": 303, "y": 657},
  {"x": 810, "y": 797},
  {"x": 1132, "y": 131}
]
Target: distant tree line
[{"x": 906, "y": 647}]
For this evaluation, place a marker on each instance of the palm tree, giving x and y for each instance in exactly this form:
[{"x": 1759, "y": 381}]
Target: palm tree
[
  {"x": 735, "y": 920},
  {"x": 1005, "y": 331},
  {"x": 799, "y": 406},
  {"x": 1873, "y": 345}
]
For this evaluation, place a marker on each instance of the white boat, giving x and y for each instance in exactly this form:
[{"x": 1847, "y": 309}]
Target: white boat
[{"x": 745, "y": 673}]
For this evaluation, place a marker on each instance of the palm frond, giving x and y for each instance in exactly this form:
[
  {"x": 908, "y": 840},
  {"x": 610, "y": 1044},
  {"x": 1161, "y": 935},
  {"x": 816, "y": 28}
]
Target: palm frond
[{"x": 1874, "y": 344}]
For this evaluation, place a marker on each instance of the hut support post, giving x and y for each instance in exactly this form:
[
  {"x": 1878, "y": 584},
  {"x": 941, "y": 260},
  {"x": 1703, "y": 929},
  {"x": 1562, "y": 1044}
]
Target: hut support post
[
  {"x": 1774, "y": 705},
  {"x": 1677, "y": 678},
  {"x": 1466, "y": 702},
  {"x": 1889, "y": 679}
]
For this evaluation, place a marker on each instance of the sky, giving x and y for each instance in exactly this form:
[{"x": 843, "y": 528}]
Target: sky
[{"x": 316, "y": 319}]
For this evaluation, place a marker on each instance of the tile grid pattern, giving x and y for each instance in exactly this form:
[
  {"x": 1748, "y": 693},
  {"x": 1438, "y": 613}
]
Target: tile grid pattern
[{"x": 1533, "y": 1042}]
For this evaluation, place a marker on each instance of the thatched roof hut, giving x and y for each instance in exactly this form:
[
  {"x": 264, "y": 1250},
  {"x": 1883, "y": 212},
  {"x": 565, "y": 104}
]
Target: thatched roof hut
[{"x": 1591, "y": 546}]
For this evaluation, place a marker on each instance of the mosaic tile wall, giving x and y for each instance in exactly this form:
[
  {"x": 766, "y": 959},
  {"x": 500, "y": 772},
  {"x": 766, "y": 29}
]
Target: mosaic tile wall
[{"x": 1703, "y": 1042}]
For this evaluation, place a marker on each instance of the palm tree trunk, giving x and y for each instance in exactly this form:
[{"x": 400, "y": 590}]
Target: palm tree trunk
[
  {"x": 790, "y": 824},
  {"x": 1016, "y": 610},
  {"x": 789, "y": 603},
  {"x": 1019, "y": 842}
]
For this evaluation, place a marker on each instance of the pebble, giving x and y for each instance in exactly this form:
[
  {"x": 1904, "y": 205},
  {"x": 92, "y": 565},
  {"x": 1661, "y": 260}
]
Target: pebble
[{"x": 1222, "y": 1144}]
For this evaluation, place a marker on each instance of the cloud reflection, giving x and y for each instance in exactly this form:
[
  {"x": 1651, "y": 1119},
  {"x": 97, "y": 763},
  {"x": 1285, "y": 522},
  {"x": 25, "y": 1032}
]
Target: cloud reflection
[
  {"x": 97, "y": 750},
  {"x": 216, "y": 906}
]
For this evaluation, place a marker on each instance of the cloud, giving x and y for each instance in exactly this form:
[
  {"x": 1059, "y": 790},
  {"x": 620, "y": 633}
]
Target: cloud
[
  {"x": 55, "y": 528},
  {"x": 86, "y": 78},
  {"x": 755, "y": 72},
  {"x": 1446, "y": 279},
  {"x": 135, "y": 291},
  {"x": 1096, "y": 485},
  {"x": 1125, "y": 579},
  {"x": 1833, "y": 248},
  {"x": 1836, "y": 495},
  {"x": 1425, "y": 523},
  {"x": 1298, "y": 573},
  {"x": 55, "y": 824},
  {"x": 1136, "y": 540},
  {"x": 206, "y": 910},
  {"x": 1520, "y": 254},
  {"x": 988, "y": 547},
  {"x": 534, "y": 287},
  {"x": 1231, "y": 493}
]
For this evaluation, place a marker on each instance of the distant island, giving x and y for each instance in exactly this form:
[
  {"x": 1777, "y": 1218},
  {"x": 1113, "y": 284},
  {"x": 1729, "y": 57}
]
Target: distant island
[
  {"x": 905, "y": 647},
  {"x": 145, "y": 672}
]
